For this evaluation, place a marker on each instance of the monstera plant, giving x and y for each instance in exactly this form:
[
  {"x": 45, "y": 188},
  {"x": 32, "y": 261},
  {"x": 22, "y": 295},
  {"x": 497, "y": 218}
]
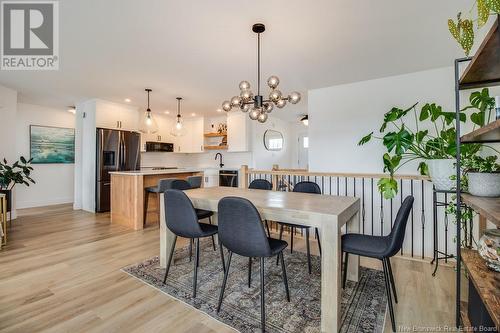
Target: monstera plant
[
  {"x": 463, "y": 29},
  {"x": 431, "y": 136}
]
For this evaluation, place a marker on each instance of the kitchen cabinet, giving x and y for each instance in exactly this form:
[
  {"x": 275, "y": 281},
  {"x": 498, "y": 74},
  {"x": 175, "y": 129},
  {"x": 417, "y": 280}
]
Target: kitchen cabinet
[
  {"x": 211, "y": 178},
  {"x": 192, "y": 140},
  {"x": 238, "y": 131},
  {"x": 116, "y": 116}
]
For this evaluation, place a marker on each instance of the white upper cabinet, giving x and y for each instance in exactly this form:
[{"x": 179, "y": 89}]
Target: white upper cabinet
[
  {"x": 192, "y": 140},
  {"x": 238, "y": 131},
  {"x": 116, "y": 116}
]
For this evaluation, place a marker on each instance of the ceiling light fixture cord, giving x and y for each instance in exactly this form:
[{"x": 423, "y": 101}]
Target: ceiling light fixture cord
[{"x": 258, "y": 64}]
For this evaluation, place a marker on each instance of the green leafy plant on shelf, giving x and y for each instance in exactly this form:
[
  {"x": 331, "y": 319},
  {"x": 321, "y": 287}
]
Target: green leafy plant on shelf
[
  {"x": 463, "y": 28},
  {"x": 17, "y": 173},
  {"x": 432, "y": 136}
]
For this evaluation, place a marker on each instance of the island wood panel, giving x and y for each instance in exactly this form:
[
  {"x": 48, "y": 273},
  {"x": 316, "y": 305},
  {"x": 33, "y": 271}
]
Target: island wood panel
[
  {"x": 153, "y": 211},
  {"x": 127, "y": 197}
]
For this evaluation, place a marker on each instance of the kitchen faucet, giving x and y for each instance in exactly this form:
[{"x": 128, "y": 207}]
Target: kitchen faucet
[{"x": 220, "y": 164}]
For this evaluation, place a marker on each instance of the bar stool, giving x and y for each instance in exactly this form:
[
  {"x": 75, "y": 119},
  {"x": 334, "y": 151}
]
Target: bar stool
[
  {"x": 194, "y": 181},
  {"x": 163, "y": 185}
]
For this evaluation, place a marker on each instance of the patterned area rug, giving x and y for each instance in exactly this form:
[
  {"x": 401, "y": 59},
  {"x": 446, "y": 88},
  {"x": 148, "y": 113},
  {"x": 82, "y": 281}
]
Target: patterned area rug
[{"x": 363, "y": 303}]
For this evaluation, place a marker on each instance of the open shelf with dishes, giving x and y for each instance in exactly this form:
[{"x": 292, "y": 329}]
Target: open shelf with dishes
[
  {"x": 483, "y": 70},
  {"x": 215, "y": 141}
]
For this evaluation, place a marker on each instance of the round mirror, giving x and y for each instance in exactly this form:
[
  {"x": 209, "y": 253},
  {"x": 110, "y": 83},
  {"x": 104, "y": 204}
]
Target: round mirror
[{"x": 273, "y": 140}]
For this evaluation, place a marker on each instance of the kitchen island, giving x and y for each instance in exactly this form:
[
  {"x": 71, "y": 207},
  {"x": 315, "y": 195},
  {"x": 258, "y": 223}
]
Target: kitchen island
[{"x": 127, "y": 195}]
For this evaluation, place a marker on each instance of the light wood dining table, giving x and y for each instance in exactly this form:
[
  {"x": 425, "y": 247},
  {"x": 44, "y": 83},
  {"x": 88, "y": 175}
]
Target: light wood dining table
[{"x": 328, "y": 213}]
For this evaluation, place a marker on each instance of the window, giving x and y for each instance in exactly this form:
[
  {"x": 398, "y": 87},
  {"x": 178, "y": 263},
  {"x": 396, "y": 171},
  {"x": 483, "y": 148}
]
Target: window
[{"x": 306, "y": 142}]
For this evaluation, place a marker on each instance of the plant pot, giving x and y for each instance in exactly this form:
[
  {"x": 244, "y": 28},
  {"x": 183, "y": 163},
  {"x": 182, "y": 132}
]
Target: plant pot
[
  {"x": 484, "y": 184},
  {"x": 440, "y": 171},
  {"x": 489, "y": 248},
  {"x": 8, "y": 194}
]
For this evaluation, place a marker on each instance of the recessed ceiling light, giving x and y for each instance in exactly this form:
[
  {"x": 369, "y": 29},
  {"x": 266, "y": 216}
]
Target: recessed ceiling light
[
  {"x": 127, "y": 100},
  {"x": 193, "y": 114},
  {"x": 166, "y": 112},
  {"x": 219, "y": 110},
  {"x": 73, "y": 111}
]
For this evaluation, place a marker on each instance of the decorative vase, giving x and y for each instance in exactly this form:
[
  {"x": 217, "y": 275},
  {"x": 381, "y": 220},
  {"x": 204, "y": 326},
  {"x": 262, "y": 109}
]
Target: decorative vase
[
  {"x": 489, "y": 248},
  {"x": 483, "y": 184},
  {"x": 441, "y": 171}
]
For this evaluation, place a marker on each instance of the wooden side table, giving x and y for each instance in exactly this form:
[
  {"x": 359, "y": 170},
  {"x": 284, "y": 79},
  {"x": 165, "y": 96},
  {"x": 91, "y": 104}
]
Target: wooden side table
[{"x": 3, "y": 218}]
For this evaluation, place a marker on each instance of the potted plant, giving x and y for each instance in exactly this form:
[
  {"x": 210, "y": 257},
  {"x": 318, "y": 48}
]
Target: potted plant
[
  {"x": 10, "y": 175},
  {"x": 430, "y": 139},
  {"x": 483, "y": 175}
]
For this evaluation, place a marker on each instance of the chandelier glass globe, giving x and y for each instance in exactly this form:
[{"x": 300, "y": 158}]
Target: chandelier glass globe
[
  {"x": 254, "y": 114},
  {"x": 262, "y": 117}
]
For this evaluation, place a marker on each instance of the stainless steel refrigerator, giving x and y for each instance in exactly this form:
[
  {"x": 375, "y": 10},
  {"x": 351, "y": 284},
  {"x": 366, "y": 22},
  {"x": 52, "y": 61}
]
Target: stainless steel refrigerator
[{"x": 116, "y": 151}]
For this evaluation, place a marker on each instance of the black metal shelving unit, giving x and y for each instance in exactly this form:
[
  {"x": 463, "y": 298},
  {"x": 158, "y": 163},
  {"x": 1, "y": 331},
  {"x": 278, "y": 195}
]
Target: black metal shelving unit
[{"x": 483, "y": 70}]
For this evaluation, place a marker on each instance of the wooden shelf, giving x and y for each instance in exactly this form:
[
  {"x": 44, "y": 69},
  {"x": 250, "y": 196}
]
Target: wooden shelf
[
  {"x": 486, "y": 282},
  {"x": 484, "y": 68},
  {"x": 487, "y": 207},
  {"x": 214, "y": 135},
  {"x": 488, "y": 133},
  {"x": 216, "y": 147}
]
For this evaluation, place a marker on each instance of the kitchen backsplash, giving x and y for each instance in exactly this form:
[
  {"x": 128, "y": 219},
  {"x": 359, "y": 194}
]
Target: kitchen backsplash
[{"x": 195, "y": 160}]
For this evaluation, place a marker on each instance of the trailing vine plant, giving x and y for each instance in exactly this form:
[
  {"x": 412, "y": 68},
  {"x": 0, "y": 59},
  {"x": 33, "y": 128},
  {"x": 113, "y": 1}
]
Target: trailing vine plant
[{"x": 463, "y": 28}]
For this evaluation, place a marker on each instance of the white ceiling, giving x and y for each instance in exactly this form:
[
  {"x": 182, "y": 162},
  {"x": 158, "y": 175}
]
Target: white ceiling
[{"x": 200, "y": 50}]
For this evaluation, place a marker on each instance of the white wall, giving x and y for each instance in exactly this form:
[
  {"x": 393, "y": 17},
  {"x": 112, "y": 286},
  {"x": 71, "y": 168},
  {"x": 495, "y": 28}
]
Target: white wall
[
  {"x": 264, "y": 159},
  {"x": 54, "y": 182},
  {"x": 8, "y": 111}
]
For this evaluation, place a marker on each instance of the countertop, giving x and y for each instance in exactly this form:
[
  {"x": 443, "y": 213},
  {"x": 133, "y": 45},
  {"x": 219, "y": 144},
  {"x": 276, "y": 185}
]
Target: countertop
[{"x": 146, "y": 172}]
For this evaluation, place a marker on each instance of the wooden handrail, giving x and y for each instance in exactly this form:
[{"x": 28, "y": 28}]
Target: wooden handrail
[{"x": 305, "y": 173}]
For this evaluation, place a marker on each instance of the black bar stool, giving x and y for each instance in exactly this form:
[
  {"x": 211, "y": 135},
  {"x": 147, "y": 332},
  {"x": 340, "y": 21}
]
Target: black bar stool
[
  {"x": 163, "y": 184},
  {"x": 181, "y": 219},
  {"x": 241, "y": 232},
  {"x": 303, "y": 187},
  {"x": 194, "y": 181},
  {"x": 382, "y": 248}
]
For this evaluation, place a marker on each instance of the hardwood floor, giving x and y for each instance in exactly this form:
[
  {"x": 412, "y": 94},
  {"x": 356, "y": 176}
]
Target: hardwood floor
[{"x": 60, "y": 272}]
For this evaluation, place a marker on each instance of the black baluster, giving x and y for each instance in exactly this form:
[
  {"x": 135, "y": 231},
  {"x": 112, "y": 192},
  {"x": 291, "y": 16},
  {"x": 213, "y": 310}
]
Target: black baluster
[
  {"x": 330, "y": 181},
  {"x": 371, "y": 197},
  {"x": 338, "y": 185},
  {"x": 422, "y": 219},
  {"x": 381, "y": 215},
  {"x": 401, "y": 202},
  {"x": 323, "y": 184},
  {"x": 345, "y": 180},
  {"x": 363, "y": 204},
  {"x": 445, "y": 228},
  {"x": 411, "y": 191}
]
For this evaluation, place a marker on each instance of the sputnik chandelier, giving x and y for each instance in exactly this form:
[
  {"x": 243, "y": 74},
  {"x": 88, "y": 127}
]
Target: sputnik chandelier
[{"x": 256, "y": 104}]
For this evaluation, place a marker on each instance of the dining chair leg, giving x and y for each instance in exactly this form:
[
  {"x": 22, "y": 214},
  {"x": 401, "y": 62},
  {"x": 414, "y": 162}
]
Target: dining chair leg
[
  {"x": 281, "y": 237},
  {"x": 344, "y": 277},
  {"x": 319, "y": 241},
  {"x": 285, "y": 278},
  {"x": 170, "y": 257},
  {"x": 291, "y": 239},
  {"x": 249, "y": 272},
  {"x": 392, "y": 280},
  {"x": 226, "y": 273},
  {"x": 213, "y": 239},
  {"x": 190, "y": 249},
  {"x": 389, "y": 299},
  {"x": 145, "y": 214},
  {"x": 222, "y": 256},
  {"x": 196, "y": 264},
  {"x": 262, "y": 300},
  {"x": 267, "y": 228},
  {"x": 308, "y": 250}
]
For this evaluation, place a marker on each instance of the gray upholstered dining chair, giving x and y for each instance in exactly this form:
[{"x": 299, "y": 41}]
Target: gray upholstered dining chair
[
  {"x": 382, "y": 248},
  {"x": 303, "y": 187},
  {"x": 262, "y": 184},
  {"x": 241, "y": 232},
  {"x": 181, "y": 184},
  {"x": 181, "y": 220}
]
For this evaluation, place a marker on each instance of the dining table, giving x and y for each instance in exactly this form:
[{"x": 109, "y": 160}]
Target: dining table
[{"x": 327, "y": 212}]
